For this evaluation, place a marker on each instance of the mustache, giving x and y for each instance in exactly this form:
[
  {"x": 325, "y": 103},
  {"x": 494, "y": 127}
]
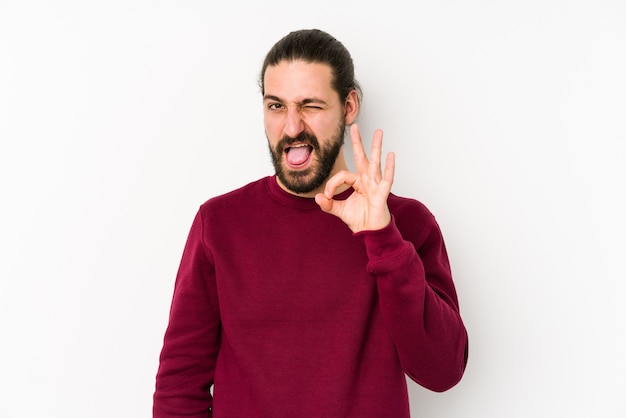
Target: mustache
[{"x": 303, "y": 137}]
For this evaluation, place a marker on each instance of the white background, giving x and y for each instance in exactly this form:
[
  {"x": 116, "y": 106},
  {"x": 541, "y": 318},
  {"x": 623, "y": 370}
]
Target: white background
[{"x": 119, "y": 118}]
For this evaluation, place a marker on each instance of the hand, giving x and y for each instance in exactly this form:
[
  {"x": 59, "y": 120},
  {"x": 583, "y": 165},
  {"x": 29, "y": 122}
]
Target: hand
[{"x": 366, "y": 208}]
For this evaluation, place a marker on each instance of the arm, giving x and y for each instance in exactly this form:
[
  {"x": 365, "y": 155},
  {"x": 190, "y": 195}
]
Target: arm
[
  {"x": 418, "y": 302},
  {"x": 416, "y": 293},
  {"x": 191, "y": 343}
]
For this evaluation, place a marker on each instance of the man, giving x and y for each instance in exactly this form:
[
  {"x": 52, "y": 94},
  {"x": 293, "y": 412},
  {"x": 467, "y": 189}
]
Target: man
[{"x": 313, "y": 292}]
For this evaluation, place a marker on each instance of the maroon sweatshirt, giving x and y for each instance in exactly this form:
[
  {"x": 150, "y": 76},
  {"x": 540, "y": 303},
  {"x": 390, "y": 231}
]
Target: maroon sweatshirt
[{"x": 284, "y": 312}]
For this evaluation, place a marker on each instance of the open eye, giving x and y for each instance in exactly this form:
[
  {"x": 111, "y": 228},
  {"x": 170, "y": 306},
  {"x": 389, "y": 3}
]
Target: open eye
[{"x": 274, "y": 106}]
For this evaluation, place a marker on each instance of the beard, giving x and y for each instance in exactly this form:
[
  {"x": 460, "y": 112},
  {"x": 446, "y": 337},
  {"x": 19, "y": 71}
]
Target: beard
[{"x": 308, "y": 179}]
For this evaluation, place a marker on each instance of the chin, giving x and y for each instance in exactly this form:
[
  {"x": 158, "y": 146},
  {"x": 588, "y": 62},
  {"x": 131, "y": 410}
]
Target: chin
[{"x": 300, "y": 182}]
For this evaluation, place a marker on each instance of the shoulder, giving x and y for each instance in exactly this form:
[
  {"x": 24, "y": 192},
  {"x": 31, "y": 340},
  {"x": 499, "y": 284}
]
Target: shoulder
[
  {"x": 412, "y": 217},
  {"x": 236, "y": 197},
  {"x": 406, "y": 206}
]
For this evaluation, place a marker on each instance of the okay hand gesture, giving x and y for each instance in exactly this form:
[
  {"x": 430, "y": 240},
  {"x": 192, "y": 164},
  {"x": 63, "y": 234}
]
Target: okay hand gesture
[{"x": 366, "y": 208}]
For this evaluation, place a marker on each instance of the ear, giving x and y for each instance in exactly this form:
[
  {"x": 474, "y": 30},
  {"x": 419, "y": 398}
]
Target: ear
[{"x": 351, "y": 107}]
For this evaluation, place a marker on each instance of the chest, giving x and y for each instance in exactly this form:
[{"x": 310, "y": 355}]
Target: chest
[{"x": 297, "y": 269}]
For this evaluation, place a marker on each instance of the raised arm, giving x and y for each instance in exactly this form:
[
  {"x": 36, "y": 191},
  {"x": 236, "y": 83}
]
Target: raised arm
[{"x": 408, "y": 258}]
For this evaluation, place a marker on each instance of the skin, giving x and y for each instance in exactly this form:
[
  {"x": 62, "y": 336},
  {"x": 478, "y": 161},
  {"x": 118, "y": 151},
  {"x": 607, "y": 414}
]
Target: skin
[{"x": 299, "y": 97}]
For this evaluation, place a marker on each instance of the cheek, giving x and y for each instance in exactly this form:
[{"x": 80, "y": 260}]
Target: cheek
[
  {"x": 273, "y": 127},
  {"x": 323, "y": 127},
  {"x": 272, "y": 135}
]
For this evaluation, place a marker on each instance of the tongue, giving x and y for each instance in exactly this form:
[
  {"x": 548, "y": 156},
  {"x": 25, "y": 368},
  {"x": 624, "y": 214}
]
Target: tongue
[{"x": 298, "y": 155}]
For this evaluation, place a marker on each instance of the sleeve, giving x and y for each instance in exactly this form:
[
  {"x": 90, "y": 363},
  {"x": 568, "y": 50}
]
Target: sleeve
[
  {"x": 418, "y": 302},
  {"x": 191, "y": 342}
]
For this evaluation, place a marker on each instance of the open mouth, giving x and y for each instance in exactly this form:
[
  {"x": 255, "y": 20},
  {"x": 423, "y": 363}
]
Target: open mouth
[{"x": 298, "y": 155}]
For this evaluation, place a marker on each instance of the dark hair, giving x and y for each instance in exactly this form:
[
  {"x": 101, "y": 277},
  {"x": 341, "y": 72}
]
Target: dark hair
[{"x": 315, "y": 46}]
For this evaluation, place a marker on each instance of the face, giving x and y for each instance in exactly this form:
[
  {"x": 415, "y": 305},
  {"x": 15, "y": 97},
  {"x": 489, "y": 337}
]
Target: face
[{"x": 304, "y": 124}]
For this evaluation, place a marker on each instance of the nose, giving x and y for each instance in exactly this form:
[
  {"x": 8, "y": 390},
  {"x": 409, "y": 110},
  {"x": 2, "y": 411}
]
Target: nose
[{"x": 294, "y": 124}]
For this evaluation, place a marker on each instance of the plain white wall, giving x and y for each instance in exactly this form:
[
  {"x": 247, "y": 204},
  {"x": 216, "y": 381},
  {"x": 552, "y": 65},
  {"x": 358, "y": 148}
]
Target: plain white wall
[{"x": 118, "y": 118}]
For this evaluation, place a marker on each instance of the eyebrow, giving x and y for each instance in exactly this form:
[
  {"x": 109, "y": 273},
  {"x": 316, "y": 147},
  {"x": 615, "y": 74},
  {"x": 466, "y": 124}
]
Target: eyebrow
[{"x": 301, "y": 103}]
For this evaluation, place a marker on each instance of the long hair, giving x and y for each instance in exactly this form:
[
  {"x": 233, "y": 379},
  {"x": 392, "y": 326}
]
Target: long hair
[{"x": 315, "y": 46}]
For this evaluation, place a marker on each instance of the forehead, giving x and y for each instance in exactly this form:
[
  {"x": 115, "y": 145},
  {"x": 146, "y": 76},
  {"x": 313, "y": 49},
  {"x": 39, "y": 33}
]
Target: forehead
[{"x": 293, "y": 80}]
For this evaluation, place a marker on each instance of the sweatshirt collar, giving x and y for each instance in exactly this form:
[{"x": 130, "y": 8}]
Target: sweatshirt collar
[{"x": 292, "y": 200}]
